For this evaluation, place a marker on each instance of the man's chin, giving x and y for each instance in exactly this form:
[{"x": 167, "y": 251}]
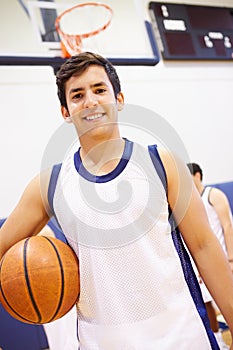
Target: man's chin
[{"x": 105, "y": 131}]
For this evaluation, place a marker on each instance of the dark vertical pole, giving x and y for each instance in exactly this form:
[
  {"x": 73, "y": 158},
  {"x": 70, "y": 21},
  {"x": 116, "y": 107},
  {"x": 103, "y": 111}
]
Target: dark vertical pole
[{"x": 49, "y": 16}]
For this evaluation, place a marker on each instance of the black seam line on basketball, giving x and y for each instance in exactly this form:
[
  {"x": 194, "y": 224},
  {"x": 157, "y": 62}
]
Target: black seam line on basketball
[
  {"x": 3, "y": 295},
  {"x": 6, "y": 301},
  {"x": 62, "y": 279},
  {"x": 28, "y": 281}
]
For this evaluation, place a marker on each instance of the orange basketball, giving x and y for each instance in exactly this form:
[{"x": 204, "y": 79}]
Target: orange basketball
[{"x": 39, "y": 280}]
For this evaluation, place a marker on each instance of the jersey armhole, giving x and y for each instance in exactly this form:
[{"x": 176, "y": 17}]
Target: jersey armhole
[
  {"x": 159, "y": 167},
  {"x": 158, "y": 164},
  {"x": 186, "y": 264},
  {"x": 56, "y": 228},
  {"x": 52, "y": 185},
  {"x": 209, "y": 196},
  {"x": 53, "y": 222}
]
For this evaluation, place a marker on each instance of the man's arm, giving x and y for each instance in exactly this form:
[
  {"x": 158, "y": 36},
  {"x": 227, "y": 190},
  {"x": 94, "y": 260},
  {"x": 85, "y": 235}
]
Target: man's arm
[
  {"x": 220, "y": 203},
  {"x": 29, "y": 216},
  {"x": 191, "y": 218}
]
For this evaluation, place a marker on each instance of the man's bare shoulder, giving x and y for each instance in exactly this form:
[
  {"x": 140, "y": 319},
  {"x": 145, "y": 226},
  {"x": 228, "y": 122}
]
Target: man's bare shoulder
[{"x": 218, "y": 197}]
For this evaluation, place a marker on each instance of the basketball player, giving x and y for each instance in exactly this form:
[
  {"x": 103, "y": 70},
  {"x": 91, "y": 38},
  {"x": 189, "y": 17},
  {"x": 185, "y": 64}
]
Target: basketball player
[
  {"x": 220, "y": 218},
  {"x": 112, "y": 198},
  {"x": 62, "y": 333}
]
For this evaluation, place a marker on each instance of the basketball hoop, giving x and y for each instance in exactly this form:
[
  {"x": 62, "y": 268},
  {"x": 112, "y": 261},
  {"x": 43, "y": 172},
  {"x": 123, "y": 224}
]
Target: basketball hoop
[{"x": 89, "y": 16}]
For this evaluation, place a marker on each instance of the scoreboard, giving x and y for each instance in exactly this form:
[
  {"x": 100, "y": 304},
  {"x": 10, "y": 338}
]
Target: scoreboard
[{"x": 193, "y": 32}]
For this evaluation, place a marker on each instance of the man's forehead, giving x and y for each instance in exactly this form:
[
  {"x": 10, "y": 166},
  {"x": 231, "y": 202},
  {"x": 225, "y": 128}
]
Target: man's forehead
[{"x": 91, "y": 77}]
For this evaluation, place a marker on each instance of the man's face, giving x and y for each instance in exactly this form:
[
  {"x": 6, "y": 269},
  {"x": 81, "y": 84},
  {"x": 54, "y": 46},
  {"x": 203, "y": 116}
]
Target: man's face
[{"x": 92, "y": 106}]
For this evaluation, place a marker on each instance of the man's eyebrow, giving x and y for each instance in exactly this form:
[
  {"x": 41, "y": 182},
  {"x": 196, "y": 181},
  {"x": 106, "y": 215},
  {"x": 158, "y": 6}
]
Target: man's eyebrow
[
  {"x": 75, "y": 90},
  {"x": 101, "y": 83}
]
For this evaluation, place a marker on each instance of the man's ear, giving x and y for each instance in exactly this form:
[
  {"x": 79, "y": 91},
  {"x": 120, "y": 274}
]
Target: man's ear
[
  {"x": 198, "y": 176},
  {"x": 66, "y": 115},
  {"x": 120, "y": 101}
]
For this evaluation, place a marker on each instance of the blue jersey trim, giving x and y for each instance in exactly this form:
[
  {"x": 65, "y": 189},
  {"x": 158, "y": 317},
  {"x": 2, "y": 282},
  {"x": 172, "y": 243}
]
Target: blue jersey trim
[
  {"x": 2, "y": 221},
  {"x": 110, "y": 176},
  {"x": 193, "y": 286},
  {"x": 189, "y": 274},
  {"x": 55, "y": 227},
  {"x": 54, "y": 223},
  {"x": 156, "y": 160},
  {"x": 52, "y": 184}
]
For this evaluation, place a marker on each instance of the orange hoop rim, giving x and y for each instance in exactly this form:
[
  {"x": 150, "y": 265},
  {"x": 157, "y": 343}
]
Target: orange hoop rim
[{"x": 84, "y": 35}]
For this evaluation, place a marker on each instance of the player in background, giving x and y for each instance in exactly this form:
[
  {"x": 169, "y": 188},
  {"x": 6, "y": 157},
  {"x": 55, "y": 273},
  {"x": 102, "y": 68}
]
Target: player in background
[{"x": 220, "y": 218}]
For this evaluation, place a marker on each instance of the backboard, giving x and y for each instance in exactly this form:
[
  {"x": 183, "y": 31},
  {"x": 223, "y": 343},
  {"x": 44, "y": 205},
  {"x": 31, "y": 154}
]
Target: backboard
[{"x": 31, "y": 39}]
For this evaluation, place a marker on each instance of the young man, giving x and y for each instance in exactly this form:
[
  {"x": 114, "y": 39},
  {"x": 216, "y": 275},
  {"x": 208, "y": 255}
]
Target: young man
[
  {"x": 62, "y": 333},
  {"x": 112, "y": 199},
  {"x": 220, "y": 218}
]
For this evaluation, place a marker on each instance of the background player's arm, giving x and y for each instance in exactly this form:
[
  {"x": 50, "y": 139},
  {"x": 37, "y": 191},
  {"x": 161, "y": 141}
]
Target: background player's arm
[
  {"x": 29, "y": 216},
  {"x": 220, "y": 202},
  {"x": 191, "y": 217}
]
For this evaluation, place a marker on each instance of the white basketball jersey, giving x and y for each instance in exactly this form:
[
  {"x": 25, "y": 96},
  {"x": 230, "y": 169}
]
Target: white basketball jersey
[
  {"x": 133, "y": 293},
  {"x": 213, "y": 218}
]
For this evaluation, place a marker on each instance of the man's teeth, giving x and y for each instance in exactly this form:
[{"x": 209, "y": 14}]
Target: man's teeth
[{"x": 95, "y": 116}]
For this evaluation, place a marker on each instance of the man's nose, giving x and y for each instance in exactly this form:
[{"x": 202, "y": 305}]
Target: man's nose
[{"x": 90, "y": 99}]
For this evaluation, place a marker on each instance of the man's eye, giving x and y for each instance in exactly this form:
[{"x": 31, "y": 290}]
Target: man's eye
[
  {"x": 100, "y": 90},
  {"x": 77, "y": 96}
]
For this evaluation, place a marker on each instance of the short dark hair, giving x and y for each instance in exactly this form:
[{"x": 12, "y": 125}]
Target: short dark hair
[
  {"x": 195, "y": 168},
  {"x": 76, "y": 65}
]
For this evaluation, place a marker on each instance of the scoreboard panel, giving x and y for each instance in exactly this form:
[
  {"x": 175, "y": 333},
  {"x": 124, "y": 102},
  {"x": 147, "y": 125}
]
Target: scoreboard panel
[{"x": 192, "y": 31}]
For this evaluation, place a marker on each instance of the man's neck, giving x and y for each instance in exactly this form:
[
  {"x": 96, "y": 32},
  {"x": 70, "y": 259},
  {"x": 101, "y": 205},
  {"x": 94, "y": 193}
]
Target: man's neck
[
  {"x": 101, "y": 158},
  {"x": 200, "y": 188}
]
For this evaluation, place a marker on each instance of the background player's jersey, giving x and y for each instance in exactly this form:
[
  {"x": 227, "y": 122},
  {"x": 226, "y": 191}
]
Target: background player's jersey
[{"x": 213, "y": 218}]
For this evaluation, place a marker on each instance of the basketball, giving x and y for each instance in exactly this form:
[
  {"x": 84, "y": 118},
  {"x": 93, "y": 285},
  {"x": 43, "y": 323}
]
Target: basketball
[{"x": 39, "y": 280}]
